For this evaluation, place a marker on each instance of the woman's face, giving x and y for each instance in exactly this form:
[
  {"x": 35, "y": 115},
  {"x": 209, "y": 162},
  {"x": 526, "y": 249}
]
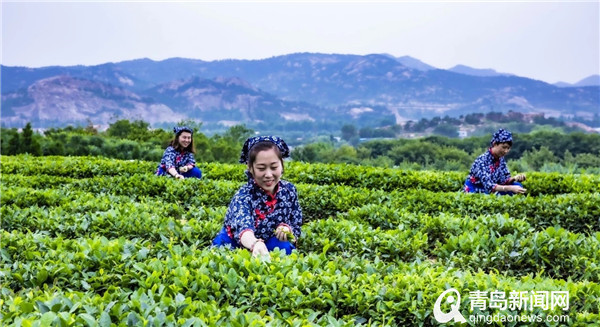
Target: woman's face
[
  {"x": 185, "y": 138},
  {"x": 500, "y": 149},
  {"x": 267, "y": 169}
]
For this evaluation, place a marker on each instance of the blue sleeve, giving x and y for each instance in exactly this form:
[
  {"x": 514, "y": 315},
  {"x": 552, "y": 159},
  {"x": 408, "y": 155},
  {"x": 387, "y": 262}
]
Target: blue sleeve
[
  {"x": 504, "y": 171},
  {"x": 168, "y": 158},
  {"x": 239, "y": 215},
  {"x": 296, "y": 212},
  {"x": 191, "y": 159},
  {"x": 481, "y": 171}
]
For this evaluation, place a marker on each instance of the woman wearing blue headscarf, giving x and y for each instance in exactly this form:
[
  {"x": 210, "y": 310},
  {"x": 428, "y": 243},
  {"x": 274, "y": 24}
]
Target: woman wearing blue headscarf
[
  {"x": 178, "y": 159},
  {"x": 489, "y": 173},
  {"x": 264, "y": 214}
]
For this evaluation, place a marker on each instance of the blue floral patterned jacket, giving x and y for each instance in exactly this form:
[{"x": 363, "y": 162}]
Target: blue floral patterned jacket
[
  {"x": 253, "y": 209},
  {"x": 488, "y": 171},
  {"x": 172, "y": 158}
]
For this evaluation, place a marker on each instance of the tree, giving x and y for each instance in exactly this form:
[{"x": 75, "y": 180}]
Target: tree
[
  {"x": 54, "y": 148},
  {"x": 120, "y": 128},
  {"x": 494, "y": 116},
  {"x": 422, "y": 153},
  {"x": 363, "y": 153},
  {"x": 223, "y": 150},
  {"x": 446, "y": 130},
  {"x": 136, "y": 131},
  {"x": 346, "y": 153},
  {"x": 473, "y": 119},
  {"x": 203, "y": 148},
  {"x": 90, "y": 129},
  {"x": 537, "y": 158},
  {"x": 14, "y": 145},
  {"x": 77, "y": 146},
  {"x": 366, "y": 132},
  {"x": 587, "y": 160},
  {"x": 314, "y": 152},
  {"x": 451, "y": 158},
  {"x": 226, "y": 148},
  {"x": 387, "y": 122},
  {"x": 238, "y": 134},
  {"x": 307, "y": 153},
  {"x": 126, "y": 150},
  {"x": 349, "y": 131},
  {"x": 29, "y": 143},
  {"x": 420, "y": 126}
]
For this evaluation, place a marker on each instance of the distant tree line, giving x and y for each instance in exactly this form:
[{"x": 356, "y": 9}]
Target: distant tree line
[
  {"x": 476, "y": 123},
  {"x": 122, "y": 140},
  {"x": 543, "y": 150}
]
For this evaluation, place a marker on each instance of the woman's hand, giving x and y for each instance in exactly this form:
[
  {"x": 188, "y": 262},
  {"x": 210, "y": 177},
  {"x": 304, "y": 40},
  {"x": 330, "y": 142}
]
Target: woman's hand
[
  {"x": 282, "y": 232},
  {"x": 260, "y": 249},
  {"x": 184, "y": 169},
  {"x": 179, "y": 176},
  {"x": 515, "y": 189},
  {"x": 520, "y": 177},
  {"x": 255, "y": 245}
]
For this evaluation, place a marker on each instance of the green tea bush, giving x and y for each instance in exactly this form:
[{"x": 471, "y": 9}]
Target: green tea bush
[{"x": 104, "y": 242}]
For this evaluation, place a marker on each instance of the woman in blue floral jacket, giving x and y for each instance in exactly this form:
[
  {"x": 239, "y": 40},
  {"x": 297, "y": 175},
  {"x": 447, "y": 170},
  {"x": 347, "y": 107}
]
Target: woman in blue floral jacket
[
  {"x": 178, "y": 160},
  {"x": 264, "y": 214},
  {"x": 489, "y": 173}
]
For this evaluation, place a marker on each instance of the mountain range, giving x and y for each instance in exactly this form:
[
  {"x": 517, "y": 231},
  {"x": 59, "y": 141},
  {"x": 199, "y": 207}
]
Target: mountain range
[
  {"x": 294, "y": 89},
  {"x": 593, "y": 80}
]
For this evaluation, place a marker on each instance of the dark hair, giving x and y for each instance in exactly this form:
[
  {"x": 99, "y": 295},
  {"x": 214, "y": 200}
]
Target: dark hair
[
  {"x": 175, "y": 143},
  {"x": 263, "y": 146}
]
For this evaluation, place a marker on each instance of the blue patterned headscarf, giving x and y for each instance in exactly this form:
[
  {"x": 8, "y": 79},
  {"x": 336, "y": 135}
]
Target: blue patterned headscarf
[
  {"x": 252, "y": 141},
  {"x": 501, "y": 136},
  {"x": 179, "y": 129}
]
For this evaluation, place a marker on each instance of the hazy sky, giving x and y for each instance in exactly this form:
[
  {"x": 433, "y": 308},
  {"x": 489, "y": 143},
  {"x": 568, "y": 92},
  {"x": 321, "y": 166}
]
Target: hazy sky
[{"x": 550, "y": 41}]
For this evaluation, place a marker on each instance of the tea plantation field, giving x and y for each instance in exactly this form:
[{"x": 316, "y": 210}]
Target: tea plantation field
[{"x": 89, "y": 241}]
